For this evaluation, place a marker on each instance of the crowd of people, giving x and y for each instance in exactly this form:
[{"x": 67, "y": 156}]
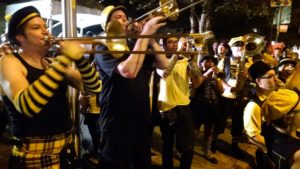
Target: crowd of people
[{"x": 123, "y": 97}]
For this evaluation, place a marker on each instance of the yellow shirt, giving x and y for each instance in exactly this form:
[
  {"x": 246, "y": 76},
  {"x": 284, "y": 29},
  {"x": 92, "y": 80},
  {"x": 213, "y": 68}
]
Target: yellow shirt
[
  {"x": 174, "y": 90},
  {"x": 253, "y": 117}
]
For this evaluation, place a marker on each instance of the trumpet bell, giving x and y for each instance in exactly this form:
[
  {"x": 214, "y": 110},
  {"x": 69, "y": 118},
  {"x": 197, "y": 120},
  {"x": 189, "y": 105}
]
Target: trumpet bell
[
  {"x": 200, "y": 38},
  {"x": 254, "y": 44},
  {"x": 114, "y": 28}
]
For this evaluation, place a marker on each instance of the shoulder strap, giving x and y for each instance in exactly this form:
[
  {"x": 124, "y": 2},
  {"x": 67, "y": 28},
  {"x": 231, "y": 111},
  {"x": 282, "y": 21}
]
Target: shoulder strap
[{"x": 256, "y": 100}]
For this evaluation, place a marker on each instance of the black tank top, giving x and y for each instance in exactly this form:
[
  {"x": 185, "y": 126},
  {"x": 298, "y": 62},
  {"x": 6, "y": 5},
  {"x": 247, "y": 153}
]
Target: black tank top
[{"x": 54, "y": 117}]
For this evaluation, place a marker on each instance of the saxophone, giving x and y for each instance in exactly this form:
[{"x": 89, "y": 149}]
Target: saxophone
[
  {"x": 241, "y": 78},
  {"x": 254, "y": 44}
]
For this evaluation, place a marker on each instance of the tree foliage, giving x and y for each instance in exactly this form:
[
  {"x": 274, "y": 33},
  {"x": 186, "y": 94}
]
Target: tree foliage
[{"x": 227, "y": 17}]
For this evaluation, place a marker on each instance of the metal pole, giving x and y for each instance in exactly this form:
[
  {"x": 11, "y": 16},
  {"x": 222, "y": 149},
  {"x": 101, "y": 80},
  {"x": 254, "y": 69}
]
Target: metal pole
[
  {"x": 70, "y": 30},
  {"x": 50, "y": 23},
  {"x": 278, "y": 23},
  {"x": 69, "y": 22}
]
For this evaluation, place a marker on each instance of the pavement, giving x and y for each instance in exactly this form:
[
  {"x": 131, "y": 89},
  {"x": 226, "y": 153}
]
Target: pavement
[{"x": 226, "y": 160}]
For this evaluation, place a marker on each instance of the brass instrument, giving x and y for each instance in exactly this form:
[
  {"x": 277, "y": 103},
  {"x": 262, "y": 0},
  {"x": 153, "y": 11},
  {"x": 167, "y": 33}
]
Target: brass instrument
[
  {"x": 113, "y": 44},
  {"x": 168, "y": 9},
  {"x": 116, "y": 38},
  {"x": 199, "y": 40},
  {"x": 254, "y": 44}
]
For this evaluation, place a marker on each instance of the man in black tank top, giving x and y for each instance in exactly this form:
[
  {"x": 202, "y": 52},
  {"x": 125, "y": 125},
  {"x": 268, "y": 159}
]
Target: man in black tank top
[{"x": 34, "y": 89}]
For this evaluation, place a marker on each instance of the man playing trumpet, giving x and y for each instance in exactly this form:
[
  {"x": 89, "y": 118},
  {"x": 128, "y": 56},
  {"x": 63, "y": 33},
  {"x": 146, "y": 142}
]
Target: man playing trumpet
[{"x": 124, "y": 100}]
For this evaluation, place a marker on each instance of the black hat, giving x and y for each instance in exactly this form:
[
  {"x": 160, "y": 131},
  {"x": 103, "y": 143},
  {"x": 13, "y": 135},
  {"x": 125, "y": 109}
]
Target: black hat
[
  {"x": 18, "y": 19},
  {"x": 208, "y": 57},
  {"x": 286, "y": 61},
  {"x": 258, "y": 69}
]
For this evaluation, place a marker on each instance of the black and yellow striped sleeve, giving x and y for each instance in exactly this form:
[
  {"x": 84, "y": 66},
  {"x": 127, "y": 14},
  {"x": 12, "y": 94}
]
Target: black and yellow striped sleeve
[
  {"x": 90, "y": 76},
  {"x": 31, "y": 100}
]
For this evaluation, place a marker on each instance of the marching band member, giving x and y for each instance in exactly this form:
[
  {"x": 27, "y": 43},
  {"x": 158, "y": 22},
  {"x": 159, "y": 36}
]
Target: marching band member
[
  {"x": 205, "y": 102},
  {"x": 230, "y": 66},
  {"x": 124, "y": 100},
  {"x": 173, "y": 103},
  {"x": 34, "y": 89}
]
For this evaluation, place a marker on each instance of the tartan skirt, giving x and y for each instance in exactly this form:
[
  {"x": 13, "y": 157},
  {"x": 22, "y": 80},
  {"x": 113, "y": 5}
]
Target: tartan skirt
[{"x": 39, "y": 152}]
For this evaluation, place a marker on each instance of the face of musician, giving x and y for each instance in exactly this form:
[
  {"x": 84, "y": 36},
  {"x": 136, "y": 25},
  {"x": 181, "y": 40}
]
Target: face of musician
[
  {"x": 120, "y": 16},
  {"x": 237, "y": 49},
  {"x": 277, "y": 54},
  {"x": 33, "y": 33},
  {"x": 207, "y": 63},
  {"x": 171, "y": 44},
  {"x": 222, "y": 50},
  {"x": 268, "y": 81}
]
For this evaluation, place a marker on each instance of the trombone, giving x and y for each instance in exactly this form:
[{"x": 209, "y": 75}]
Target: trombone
[
  {"x": 117, "y": 44},
  {"x": 116, "y": 38}
]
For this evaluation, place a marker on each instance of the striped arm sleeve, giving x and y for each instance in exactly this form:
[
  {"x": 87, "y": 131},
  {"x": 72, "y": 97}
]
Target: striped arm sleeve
[
  {"x": 31, "y": 100},
  {"x": 90, "y": 77}
]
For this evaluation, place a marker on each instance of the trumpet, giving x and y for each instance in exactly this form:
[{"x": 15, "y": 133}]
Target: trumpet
[
  {"x": 169, "y": 9},
  {"x": 198, "y": 40}
]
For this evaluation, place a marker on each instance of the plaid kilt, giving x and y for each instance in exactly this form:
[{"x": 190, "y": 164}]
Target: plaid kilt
[{"x": 41, "y": 152}]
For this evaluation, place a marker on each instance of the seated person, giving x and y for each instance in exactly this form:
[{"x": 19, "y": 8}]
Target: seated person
[
  {"x": 281, "y": 110},
  {"x": 285, "y": 68},
  {"x": 264, "y": 76}
]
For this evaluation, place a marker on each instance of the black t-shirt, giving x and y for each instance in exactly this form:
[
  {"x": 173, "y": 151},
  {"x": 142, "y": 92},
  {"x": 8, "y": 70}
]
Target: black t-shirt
[{"x": 124, "y": 102}]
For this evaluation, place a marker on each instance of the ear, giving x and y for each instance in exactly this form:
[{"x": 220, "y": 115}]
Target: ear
[
  {"x": 20, "y": 38},
  {"x": 257, "y": 80}
]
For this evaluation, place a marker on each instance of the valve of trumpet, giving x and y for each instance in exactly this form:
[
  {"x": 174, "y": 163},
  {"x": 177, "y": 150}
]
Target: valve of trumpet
[
  {"x": 49, "y": 40},
  {"x": 170, "y": 10}
]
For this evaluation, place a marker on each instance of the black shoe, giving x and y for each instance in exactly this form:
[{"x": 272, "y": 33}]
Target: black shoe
[
  {"x": 210, "y": 158},
  {"x": 236, "y": 151}
]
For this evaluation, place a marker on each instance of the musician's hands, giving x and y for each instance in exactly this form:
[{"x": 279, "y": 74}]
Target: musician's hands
[
  {"x": 233, "y": 90},
  {"x": 211, "y": 72},
  {"x": 153, "y": 24},
  {"x": 182, "y": 44},
  {"x": 135, "y": 28},
  {"x": 72, "y": 50}
]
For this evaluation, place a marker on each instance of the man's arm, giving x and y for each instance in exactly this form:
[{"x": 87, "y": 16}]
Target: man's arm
[
  {"x": 252, "y": 124},
  {"x": 130, "y": 67},
  {"x": 161, "y": 61}
]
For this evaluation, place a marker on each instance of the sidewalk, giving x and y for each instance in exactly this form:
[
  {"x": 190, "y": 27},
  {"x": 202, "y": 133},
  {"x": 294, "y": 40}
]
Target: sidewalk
[{"x": 225, "y": 159}]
